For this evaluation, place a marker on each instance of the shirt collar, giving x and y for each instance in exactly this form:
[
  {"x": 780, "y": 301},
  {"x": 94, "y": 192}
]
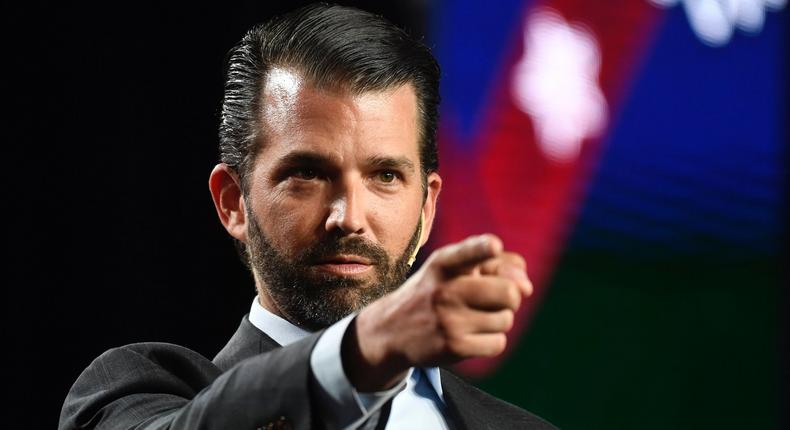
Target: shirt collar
[
  {"x": 277, "y": 328},
  {"x": 285, "y": 333}
]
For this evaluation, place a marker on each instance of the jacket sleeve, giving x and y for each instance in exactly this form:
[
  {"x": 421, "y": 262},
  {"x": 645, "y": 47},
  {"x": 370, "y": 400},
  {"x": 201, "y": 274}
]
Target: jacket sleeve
[{"x": 164, "y": 386}]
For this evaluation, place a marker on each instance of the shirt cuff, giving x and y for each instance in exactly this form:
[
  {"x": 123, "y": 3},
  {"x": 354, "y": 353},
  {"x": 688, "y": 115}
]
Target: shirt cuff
[{"x": 340, "y": 405}]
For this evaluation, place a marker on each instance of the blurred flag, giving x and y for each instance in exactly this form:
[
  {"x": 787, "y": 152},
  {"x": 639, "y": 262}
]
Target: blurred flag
[{"x": 640, "y": 127}]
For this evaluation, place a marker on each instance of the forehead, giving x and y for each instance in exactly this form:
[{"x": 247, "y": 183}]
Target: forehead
[{"x": 296, "y": 115}]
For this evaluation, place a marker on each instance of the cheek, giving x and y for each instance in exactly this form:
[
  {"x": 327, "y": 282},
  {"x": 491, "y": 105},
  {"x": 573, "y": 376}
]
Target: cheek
[
  {"x": 290, "y": 224},
  {"x": 395, "y": 222}
]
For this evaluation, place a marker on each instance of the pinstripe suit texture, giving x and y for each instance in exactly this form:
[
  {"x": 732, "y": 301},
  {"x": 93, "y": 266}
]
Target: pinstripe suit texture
[{"x": 252, "y": 383}]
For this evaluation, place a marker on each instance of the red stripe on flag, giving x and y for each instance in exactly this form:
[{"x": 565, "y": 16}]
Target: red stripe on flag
[{"x": 506, "y": 184}]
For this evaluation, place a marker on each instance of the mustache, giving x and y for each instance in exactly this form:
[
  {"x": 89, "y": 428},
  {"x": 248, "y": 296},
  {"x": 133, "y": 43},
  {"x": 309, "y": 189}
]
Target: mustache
[{"x": 333, "y": 245}]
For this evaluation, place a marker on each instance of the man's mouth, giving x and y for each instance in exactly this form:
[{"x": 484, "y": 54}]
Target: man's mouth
[{"x": 345, "y": 265}]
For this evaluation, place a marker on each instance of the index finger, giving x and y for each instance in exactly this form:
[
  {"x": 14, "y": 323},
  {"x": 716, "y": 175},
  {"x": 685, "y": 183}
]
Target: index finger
[{"x": 462, "y": 257}]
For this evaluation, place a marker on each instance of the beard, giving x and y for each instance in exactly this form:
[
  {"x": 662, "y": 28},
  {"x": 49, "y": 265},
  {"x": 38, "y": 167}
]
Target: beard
[{"x": 314, "y": 299}]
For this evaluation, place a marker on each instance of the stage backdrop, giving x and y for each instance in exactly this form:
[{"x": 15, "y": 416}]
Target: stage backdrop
[{"x": 633, "y": 151}]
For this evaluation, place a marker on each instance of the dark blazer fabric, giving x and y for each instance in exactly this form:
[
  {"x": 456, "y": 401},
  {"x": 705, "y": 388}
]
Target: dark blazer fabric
[{"x": 253, "y": 383}]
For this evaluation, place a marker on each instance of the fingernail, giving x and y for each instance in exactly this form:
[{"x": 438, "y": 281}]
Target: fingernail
[
  {"x": 489, "y": 242},
  {"x": 482, "y": 241}
]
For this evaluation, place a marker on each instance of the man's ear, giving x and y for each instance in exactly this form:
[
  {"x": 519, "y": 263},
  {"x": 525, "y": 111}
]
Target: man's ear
[
  {"x": 225, "y": 187},
  {"x": 434, "y": 187}
]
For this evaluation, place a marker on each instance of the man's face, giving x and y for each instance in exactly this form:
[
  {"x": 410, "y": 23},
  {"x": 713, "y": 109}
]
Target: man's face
[{"x": 334, "y": 198}]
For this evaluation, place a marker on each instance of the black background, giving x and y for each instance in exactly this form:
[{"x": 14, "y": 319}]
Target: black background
[{"x": 112, "y": 235}]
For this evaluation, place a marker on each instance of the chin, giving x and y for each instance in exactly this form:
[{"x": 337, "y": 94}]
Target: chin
[{"x": 354, "y": 297}]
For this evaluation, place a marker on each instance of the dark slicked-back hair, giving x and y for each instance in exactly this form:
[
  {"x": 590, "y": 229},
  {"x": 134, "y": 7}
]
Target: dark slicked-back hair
[{"x": 332, "y": 47}]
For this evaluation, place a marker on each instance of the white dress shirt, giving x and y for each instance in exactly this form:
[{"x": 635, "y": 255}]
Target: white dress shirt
[{"x": 418, "y": 399}]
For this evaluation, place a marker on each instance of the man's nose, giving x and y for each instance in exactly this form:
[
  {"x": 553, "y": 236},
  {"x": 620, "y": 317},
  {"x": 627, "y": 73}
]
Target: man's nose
[{"x": 346, "y": 210}]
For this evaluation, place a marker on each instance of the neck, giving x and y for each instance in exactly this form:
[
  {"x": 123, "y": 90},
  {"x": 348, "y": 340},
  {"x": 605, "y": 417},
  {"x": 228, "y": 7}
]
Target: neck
[{"x": 266, "y": 301}]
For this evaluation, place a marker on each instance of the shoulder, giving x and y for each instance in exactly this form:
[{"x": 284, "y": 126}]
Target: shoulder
[
  {"x": 120, "y": 374},
  {"x": 479, "y": 409},
  {"x": 160, "y": 385},
  {"x": 142, "y": 361}
]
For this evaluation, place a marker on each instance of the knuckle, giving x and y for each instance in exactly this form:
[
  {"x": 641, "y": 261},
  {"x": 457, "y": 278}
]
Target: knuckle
[
  {"x": 508, "y": 320},
  {"x": 516, "y": 260},
  {"x": 504, "y": 290},
  {"x": 513, "y": 296},
  {"x": 501, "y": 344},
  {"x": 497, "y": 345},
  {"x": 445, "y": 295},
  {"x": 530, "y": 288}
]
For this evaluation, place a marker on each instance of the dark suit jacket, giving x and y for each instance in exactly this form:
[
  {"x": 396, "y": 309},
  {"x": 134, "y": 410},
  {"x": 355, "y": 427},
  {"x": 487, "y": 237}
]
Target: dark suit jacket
[{"x": 253, "y": 383}]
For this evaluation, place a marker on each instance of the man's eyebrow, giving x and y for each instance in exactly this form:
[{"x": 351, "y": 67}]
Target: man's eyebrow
[
  {"x": 384, "y": 162},
  {"x": 301, "y": 158},
  {"x": 309, "y": 158}
]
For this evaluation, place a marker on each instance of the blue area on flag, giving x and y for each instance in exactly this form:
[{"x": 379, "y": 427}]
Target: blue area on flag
[
  {"x": 470, "y": 38},
  {"x": 695, "y": 161}
]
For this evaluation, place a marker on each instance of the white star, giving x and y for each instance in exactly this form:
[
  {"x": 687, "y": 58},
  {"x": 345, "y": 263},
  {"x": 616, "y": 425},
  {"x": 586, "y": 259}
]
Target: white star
[
  {"x": 715, "y": 20},
  {"x": 555, "y": 82}
]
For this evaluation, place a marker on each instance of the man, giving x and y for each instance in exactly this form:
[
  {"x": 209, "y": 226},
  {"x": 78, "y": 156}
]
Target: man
[{"x": 328, "y": 183}]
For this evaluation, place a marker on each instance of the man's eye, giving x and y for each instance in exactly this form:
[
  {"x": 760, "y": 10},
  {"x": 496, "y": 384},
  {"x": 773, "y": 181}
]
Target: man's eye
[
  {"x": 387, "y": 177},
  {"x": 304, "y": 173}
]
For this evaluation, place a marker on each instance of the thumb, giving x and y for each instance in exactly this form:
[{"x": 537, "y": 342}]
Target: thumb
[{"x": 462, "y": 257}]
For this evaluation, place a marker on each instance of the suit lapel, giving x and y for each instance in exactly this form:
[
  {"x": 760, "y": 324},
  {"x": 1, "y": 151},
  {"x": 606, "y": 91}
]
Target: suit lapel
[
  {"x": 471, "y": 408},
  {"x": 454, "y": 399},
  {"x": 466, "y": 407},
  {"x": 247, "y": 342}
]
